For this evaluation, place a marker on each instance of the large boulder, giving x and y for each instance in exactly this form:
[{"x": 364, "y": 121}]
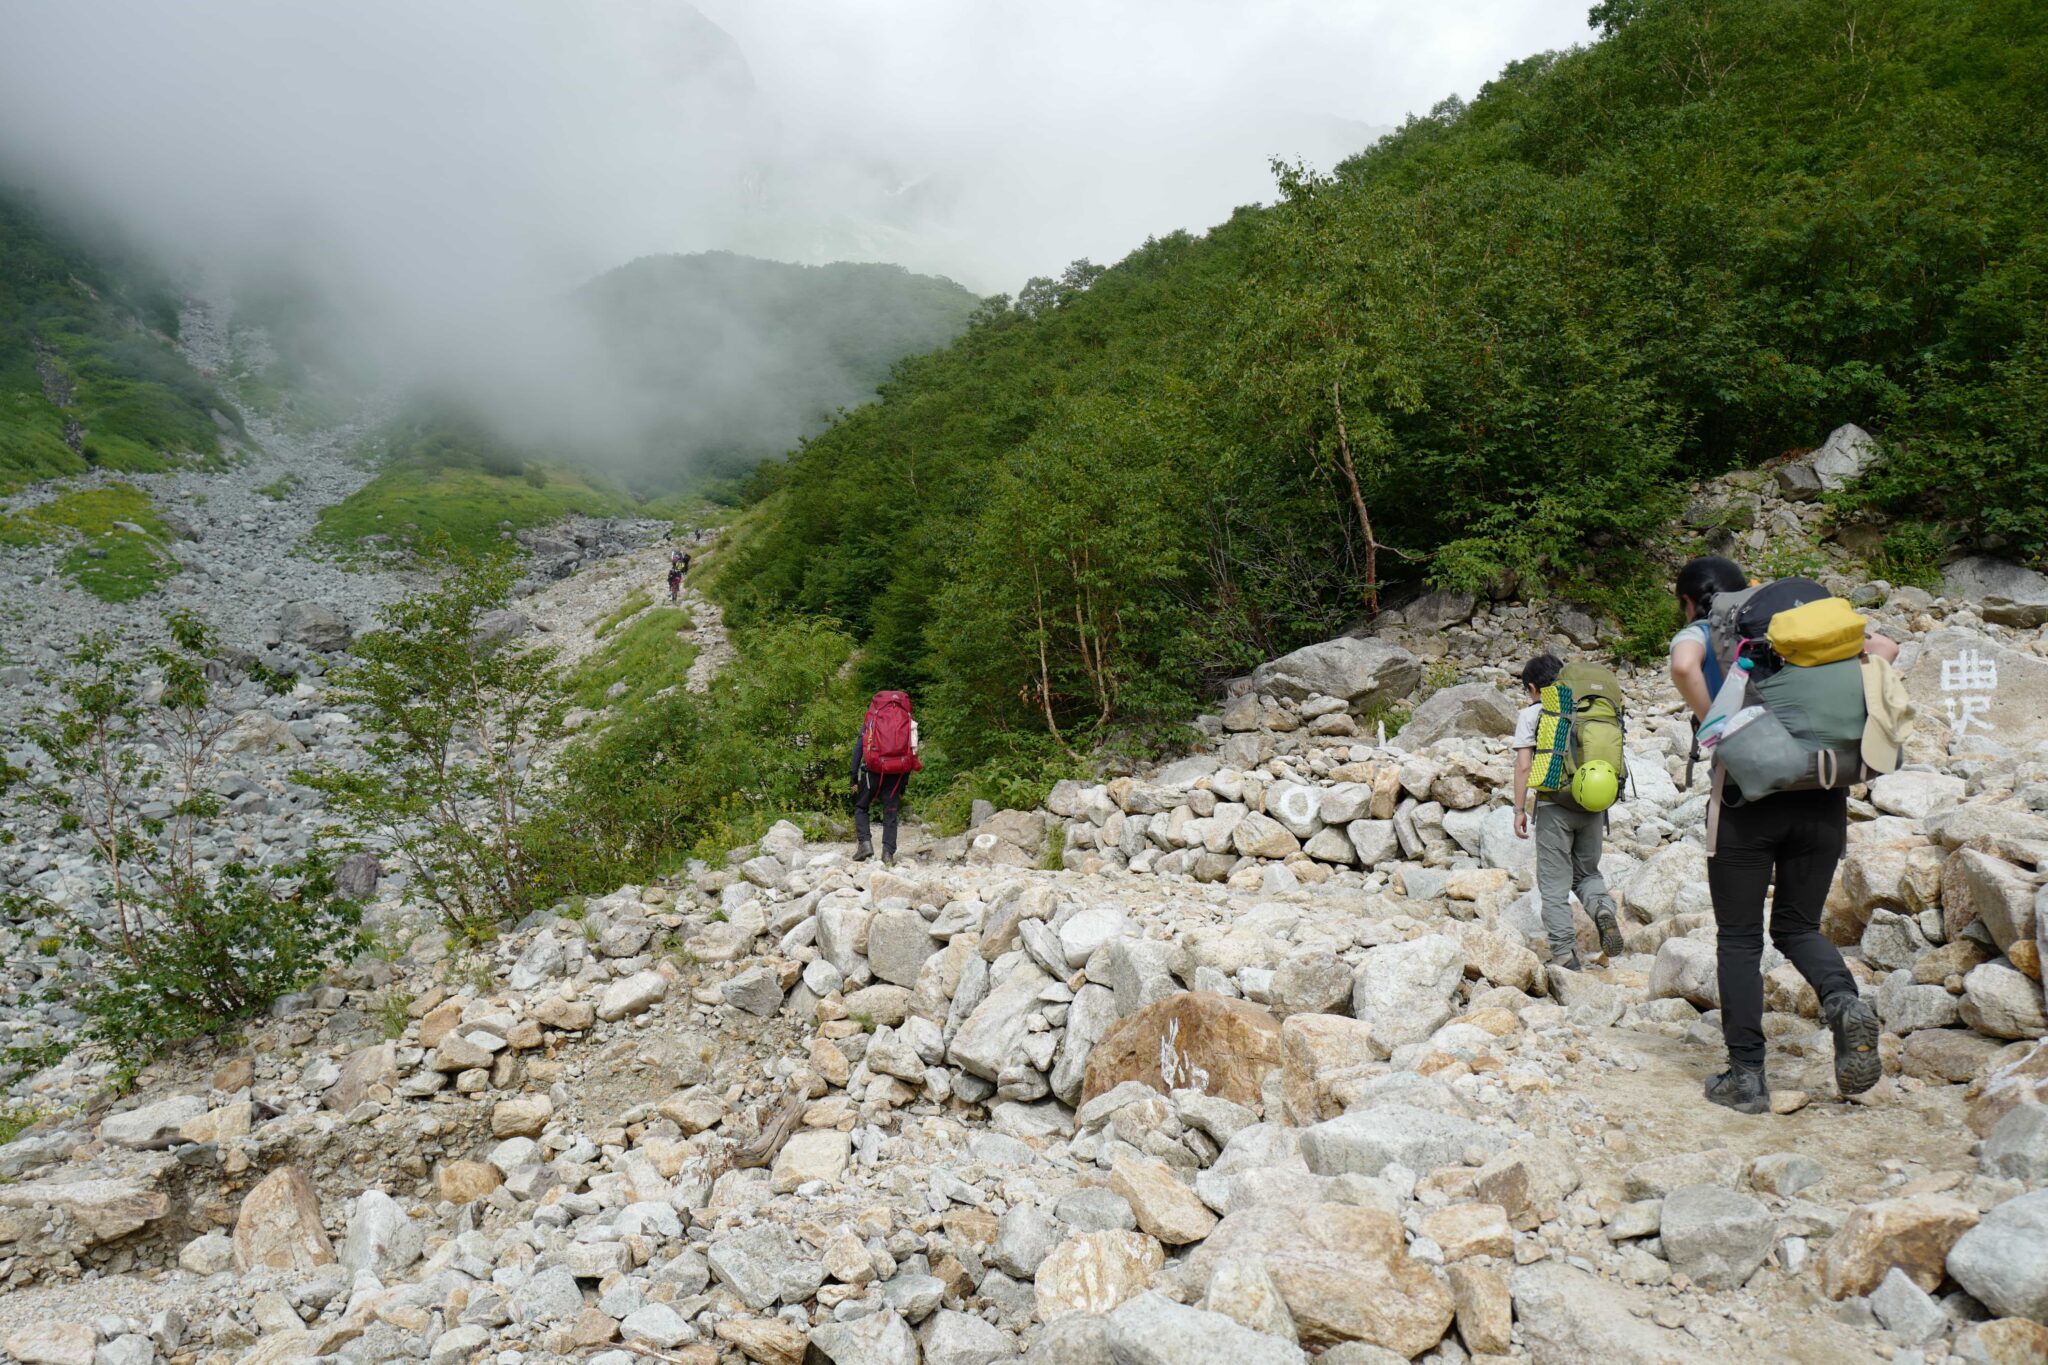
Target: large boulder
[
  {"x": 2006, "y": 593},
  {"x": 1403, "y": 990},
  {"x": 1686, "y": 969},
  {"x": 2003, "y": 1261},
  {"x": 1468, "y": 709},
  {"x": 1843, "y": 457},
  {"x": 1434, "y": 611},
  {"x": 1364, "y": 673},
  {"x": 1914, "y": 1234},
  {"x": 984, "y": 1041},
  {"x": 1343, "y": 1270},
  {"x": 1977, "y": 687},
  {"x": 1566, "y": 1314},
  {"x": 1152, "y": 1329},
  {"x": 313, "y": 625},
  {"x": 279, "y": 1225},
  {"x": 1367, "y": 1141},
  {"x": 1716, "y": 1235},
  {"x": 1096, "y": 1272},
  {"x": 1193, "y": 1040}
]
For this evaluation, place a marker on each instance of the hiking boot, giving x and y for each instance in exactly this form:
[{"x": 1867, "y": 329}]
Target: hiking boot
[
  {"x": 1610, "y": 934},
  {"x": 1740, "y": 1088},
  {"x": 863, "y": 851},
  {"x": 1570, "y": 964},
  {"x": 889, "y": 857},
  {"x": 1854, "y": 1024}
]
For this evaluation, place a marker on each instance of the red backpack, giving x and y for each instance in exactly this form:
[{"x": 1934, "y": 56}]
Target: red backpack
[{"x": 885, "y": 735}]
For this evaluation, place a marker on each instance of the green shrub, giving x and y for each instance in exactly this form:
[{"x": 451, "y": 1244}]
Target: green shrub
[
  {"x": 694, "y": 775},
  {"x": 465, "y": 510},
  {"x": 453, "y": 723},
  {"x": 1911, "y": 554},
  {"x": 178, "y": 951}
]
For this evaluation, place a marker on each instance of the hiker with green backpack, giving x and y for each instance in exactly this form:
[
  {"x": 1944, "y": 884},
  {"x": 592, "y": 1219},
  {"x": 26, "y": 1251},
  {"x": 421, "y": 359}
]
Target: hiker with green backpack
[
  {"x": 1794, "y": 704},
  {"x": 1568, "y": 752}
]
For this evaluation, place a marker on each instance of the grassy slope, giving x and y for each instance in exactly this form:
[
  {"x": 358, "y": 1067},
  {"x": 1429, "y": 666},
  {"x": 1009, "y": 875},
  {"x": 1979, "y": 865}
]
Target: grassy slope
[
  {"x": 117, "y": 542},
  {"x": 98, "y": 323},
  {"x": 644, "y": 652},
  {"x": 466, "y": 509}
]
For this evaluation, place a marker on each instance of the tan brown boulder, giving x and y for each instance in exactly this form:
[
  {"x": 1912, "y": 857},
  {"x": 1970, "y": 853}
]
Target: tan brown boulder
[
  {"x": 1485, "y": 1308},
  {"x": 566, "y": 1015},
  {"x": 1529, "y": 1183},
  {"x": 53, "y": 1343},
  {"x": 1952, "y": 959},
  {"x": 1464, "y": 1230},
  {"x": 1349, "y": 1277},
  {"x": 366, "y": 1069},
  {"x": 1209, "y": 1042},
  {"x": 1976, "y": 886},
  {"x": 2022, "y": 1079},
  {"x": 76, "y": 1213},
  {"x": 1914, "y": 1234},
  {"x": 1096, "y": 1271},
  {"x": 1165, "y": 1207},
  {"x": 279, "y": 1225},
  {"x": 1343, "y": 1270},
  {"x": 1319, "y": 1055},
  {"x": 463, "y": 1182},
  {"x": 765, "y": 1341},
  {"x": 440, "y": 1021},
  {"x": 2004, "y": 1341},
  {"x": 521, "y": 1116}
]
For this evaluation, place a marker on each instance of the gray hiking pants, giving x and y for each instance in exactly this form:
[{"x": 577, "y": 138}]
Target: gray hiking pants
[{"x": 1568, "y": 859}]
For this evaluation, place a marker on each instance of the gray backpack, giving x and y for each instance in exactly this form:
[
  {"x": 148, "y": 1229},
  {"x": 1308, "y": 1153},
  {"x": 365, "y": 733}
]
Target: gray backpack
[{"x": 1808, "y": 734}]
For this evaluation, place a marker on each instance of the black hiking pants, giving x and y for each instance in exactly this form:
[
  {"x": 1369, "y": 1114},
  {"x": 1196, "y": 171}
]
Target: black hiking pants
[
  {"x": 1796, "y": 838},
  {"x": 889, "y": 788}
]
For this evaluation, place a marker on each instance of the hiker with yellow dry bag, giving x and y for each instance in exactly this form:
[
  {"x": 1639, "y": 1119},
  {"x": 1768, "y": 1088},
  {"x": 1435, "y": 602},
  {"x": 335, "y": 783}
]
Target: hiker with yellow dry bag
[{"x": 1804, "y": 709}]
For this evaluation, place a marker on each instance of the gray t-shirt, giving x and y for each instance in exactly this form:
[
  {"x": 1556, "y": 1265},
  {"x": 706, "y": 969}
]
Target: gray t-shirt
[{"x": 1525, "y": 726}]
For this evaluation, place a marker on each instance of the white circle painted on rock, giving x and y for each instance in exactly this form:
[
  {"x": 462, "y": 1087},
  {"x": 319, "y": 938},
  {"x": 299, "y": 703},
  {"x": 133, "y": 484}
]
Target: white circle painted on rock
[{"x": 1298, "y": 805}]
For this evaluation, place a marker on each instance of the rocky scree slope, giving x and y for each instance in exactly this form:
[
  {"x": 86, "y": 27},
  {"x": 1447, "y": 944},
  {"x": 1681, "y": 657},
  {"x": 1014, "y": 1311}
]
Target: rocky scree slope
[{"x": 1272, "y": 1066}]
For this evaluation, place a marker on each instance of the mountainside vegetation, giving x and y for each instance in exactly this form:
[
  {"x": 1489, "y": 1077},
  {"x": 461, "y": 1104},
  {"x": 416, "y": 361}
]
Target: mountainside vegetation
[
  {"x": 89, "y": 377},
  {"x": 1488, "y": 354}
]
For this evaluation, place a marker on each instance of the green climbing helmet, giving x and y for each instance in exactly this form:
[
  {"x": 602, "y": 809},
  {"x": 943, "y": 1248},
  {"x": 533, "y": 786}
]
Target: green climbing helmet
[{"x": 1595, "y": 784}]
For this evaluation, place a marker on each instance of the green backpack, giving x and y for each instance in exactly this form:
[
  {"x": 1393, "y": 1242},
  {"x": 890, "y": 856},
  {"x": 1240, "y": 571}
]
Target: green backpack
[{"x": 1582, "y": 724}]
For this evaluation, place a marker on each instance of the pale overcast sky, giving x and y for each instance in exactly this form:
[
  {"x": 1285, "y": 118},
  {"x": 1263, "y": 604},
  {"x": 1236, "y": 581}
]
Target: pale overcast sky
[{"x": 428, "y": 152}]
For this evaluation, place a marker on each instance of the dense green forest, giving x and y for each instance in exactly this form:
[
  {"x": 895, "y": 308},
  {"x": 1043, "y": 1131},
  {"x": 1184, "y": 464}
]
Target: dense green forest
[
  {"x": 1489, "y": 352},
  {"x": 88, "y": 374}
]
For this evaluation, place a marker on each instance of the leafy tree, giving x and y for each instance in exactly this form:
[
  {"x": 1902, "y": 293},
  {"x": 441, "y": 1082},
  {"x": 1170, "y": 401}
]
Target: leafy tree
[{"x": 457, "y": 717}]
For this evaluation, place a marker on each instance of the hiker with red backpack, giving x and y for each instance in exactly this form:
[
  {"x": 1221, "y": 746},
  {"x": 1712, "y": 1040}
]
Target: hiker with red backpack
[
  {"x": 1795, "y": 702},
  {"x": 884, "y": 757}
]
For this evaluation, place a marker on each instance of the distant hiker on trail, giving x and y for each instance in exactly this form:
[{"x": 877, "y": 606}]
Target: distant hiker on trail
[
  {"x": 675, "y": 582},
  {"x": 884, "y": 757},
  {"x": 1573, "y": 720},
  {"x": 1794, "y": 702}
]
